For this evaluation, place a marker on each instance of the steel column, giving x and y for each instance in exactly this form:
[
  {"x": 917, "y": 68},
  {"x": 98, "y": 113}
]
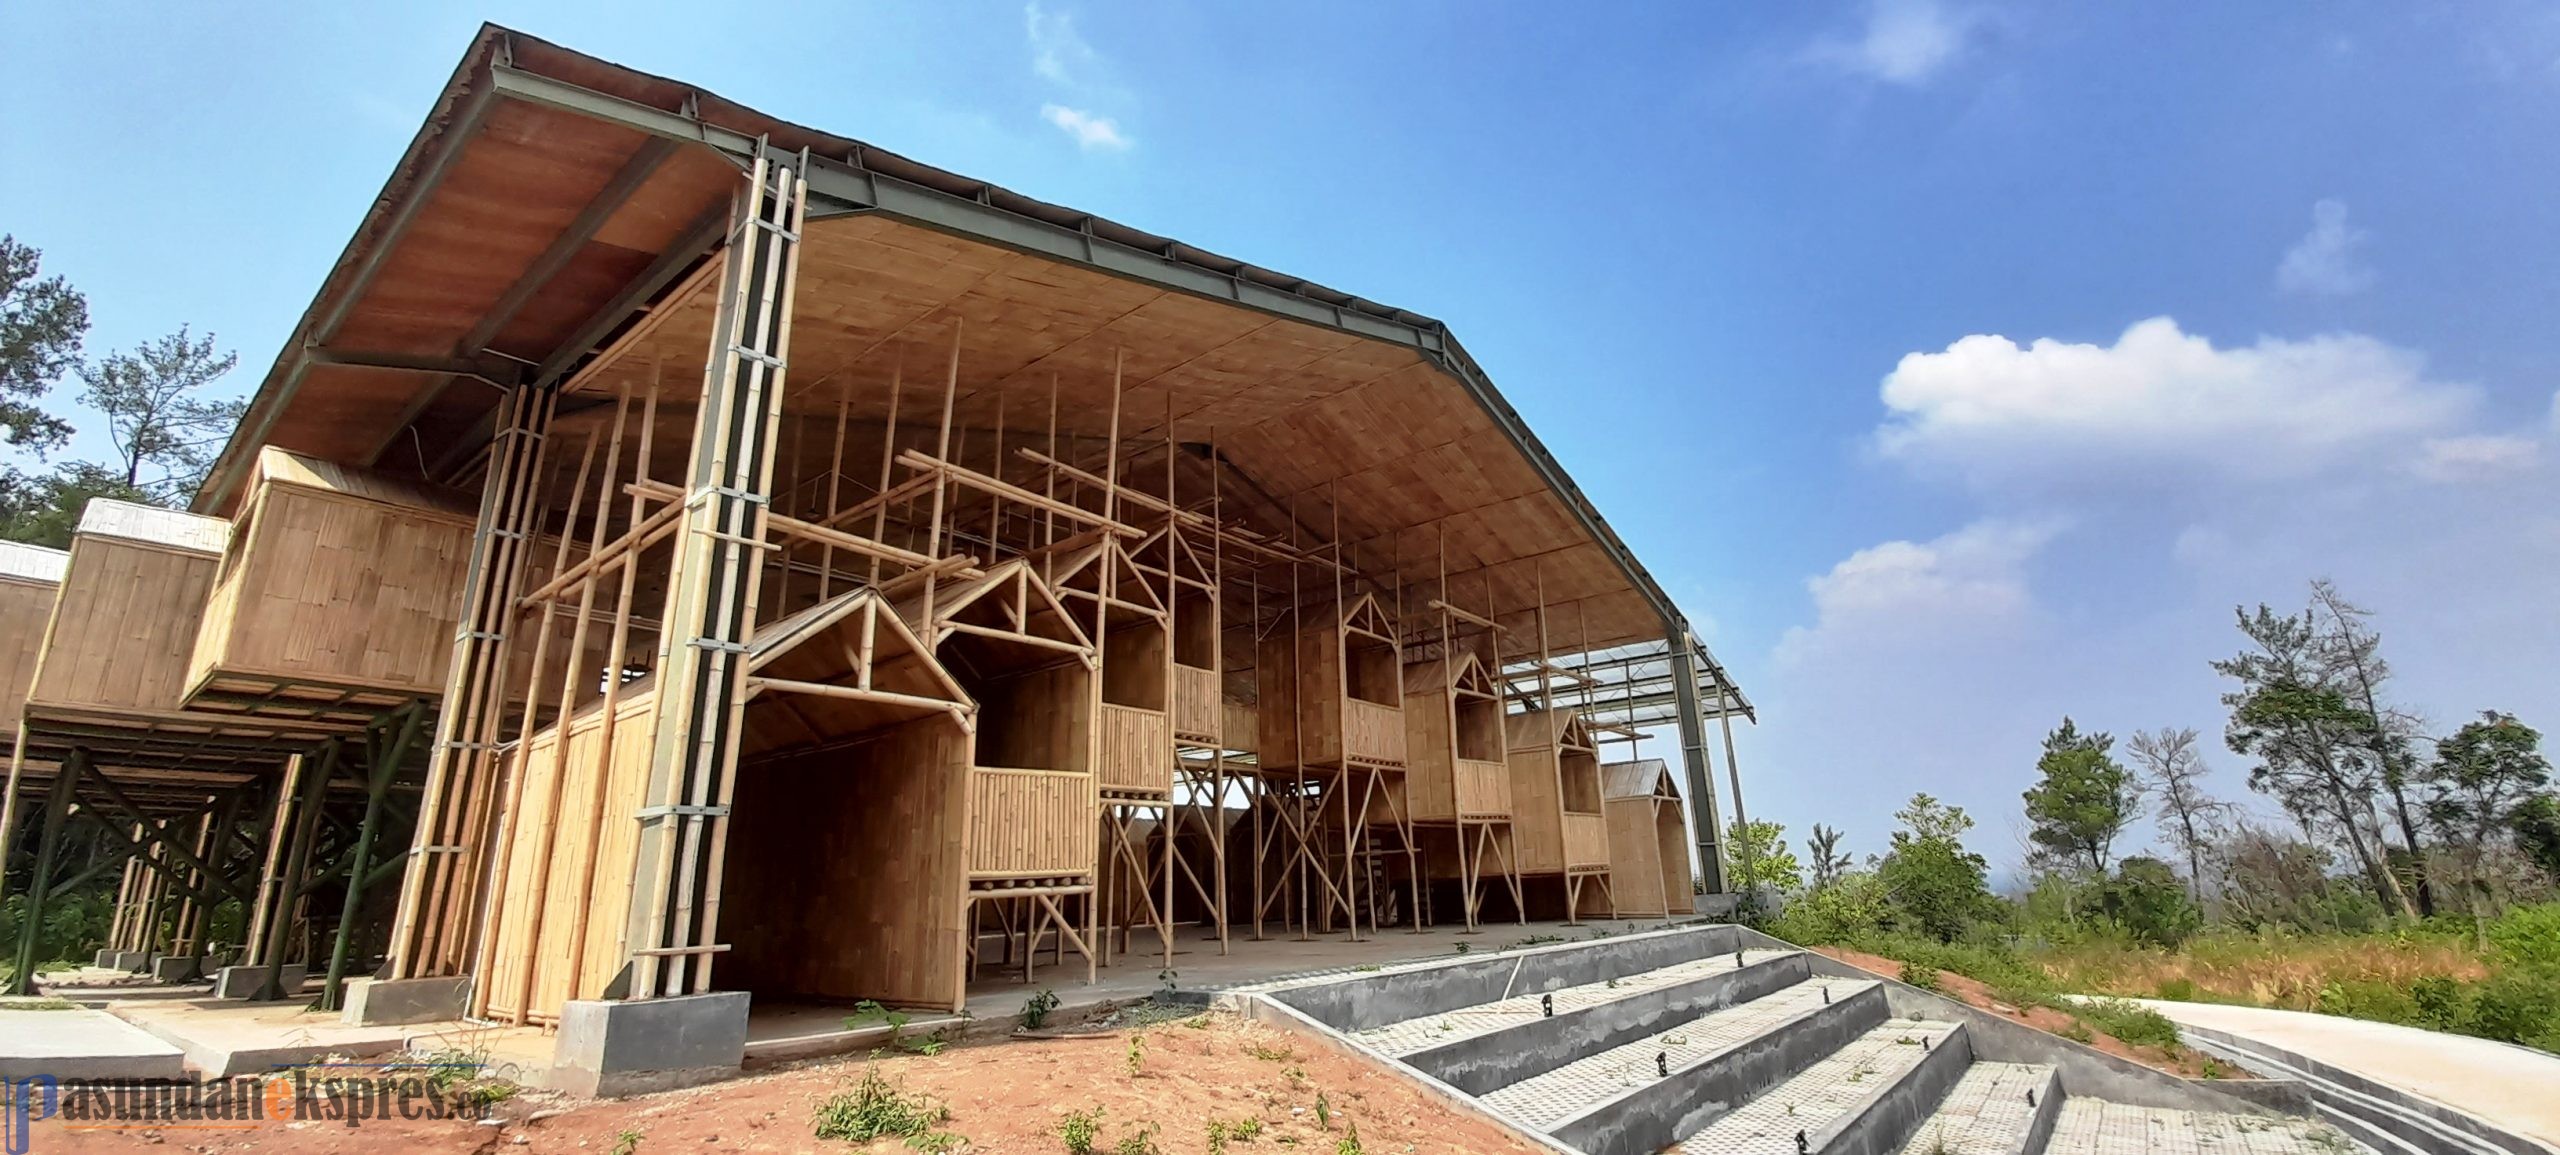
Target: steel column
[{"x": 48, "y": 844}]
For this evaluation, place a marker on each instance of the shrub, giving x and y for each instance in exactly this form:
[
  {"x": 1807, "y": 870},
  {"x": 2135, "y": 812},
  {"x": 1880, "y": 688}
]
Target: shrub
[
  {"x": 2517, "y": 1007},
  {"x": 2131, "y": 1022},
  {"x": 2528, "y": 938},
  {"x": 2177, "y": 990},
  {"x": 2359, "y": 999},
  {"x": 1920, "y": 975},
  {"x": 1036, "y": 1009},
  {"x": 2441, "y": 1002},
  {"x": 875, "y": 1110},
  {"x": 1078, "y": 1130}
]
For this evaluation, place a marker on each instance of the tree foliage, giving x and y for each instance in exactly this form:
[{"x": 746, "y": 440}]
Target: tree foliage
[
  {"x": 165, "y": 430},
  {"x": 1934, "y": 885},
  {"x": 1761, "y": 856},
  {"x": 2483, "y": 775},
  {"x": 1828, "y": 860},
  {"x": 2081, "y": 800},
  {"x": 43, "y": 508},
  {"x": 42, "y": 322}
]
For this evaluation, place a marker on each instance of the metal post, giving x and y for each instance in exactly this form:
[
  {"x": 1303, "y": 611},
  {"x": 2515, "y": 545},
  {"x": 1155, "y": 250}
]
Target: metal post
[
  {"x": 1696, "y": 762},
  {"x": 57, "y": 808},
  {"x": 390, "y": 749}
]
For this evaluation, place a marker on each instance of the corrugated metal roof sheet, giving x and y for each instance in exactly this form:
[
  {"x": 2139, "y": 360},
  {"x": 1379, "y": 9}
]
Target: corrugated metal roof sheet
[
  {"x": 33, "y": 563},
  {"x": 176, "y": 529}
]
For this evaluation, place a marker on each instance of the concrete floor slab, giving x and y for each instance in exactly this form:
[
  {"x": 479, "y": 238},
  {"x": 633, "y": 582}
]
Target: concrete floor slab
[
  {"x": 80, "y": 1043},
  {"x": 2509, "y": 1086},
  {"x": 222, "y": 1037}
]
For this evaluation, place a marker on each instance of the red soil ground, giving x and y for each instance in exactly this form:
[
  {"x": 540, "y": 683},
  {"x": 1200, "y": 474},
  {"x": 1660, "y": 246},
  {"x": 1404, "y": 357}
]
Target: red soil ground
[{"x": 1004, "y": 1096}]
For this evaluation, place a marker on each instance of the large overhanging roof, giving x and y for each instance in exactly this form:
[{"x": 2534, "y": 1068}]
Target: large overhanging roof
[{"x": 552, "y": 198}]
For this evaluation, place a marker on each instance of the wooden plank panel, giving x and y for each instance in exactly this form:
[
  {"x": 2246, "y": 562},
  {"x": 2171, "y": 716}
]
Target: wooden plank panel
[
  {"x": 1636, "y": 878},
  {"x": 1136, "y": 750},
  {"x": 1197, "y": 713}
]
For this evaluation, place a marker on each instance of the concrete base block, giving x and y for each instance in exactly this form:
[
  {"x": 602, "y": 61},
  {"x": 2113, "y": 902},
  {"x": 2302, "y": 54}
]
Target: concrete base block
[
  {"x": 174, "y": 968},
  {"x": 243, "y": 982},
  {"x": 386, "y": 1002},
  {"x": 126, "y": 960},
  {"x": 610, "y": 1049},
  {"x": 100, "y": 961}
]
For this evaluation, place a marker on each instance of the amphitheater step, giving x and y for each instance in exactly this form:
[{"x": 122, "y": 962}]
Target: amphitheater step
[
  {"x": 1996, "y": 1109},
  {"x": 1405, "y": 1038},
  {"x": 1864, "y": 1099},
  {"x": 1645, "y": 1093},
  {"x": 2098, "y": 1127}
]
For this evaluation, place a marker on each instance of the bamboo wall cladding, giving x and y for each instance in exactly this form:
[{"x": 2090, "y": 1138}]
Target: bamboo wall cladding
[
  {"x": 335, "y": 580},
  {"x": 1198, "y": 712},
  {"x": 1136, "y": 751},
  {"x": 1344, "y": 703},
  {"x": 588, "y": 880},
  {"x": 132, "y": 596},
  {"x": 30, "y": 577},
  {"x": 1484, "y": 789},
  {"x": 1373, "y": 734},
  {"x": 1029, "y": 824},
  {"x": 1635, "y": 859},
  {"x": 843, "y": 879}
]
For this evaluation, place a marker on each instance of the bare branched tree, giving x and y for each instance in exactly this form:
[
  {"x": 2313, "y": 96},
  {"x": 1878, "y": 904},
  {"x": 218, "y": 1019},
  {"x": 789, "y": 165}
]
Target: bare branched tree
[{"x": 2171, "y": 770}]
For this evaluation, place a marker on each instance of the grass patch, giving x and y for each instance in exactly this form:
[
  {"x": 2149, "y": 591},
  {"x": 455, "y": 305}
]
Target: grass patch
[
  {"x": 2131, "y": 1022},
  {"x": 875, "y": 1110}
]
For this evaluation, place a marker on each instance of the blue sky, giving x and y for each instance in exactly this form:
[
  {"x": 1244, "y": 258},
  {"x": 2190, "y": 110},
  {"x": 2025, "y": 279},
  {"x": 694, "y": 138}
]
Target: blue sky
[{"x": 1957, "y": 365}]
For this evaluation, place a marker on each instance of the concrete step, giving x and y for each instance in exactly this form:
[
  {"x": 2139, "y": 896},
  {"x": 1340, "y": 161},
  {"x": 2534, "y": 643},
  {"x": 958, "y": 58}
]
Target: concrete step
[
  {"x": 1864, "y": 1099},
  {"x": 1508, "y": 1009},
  {"x": 2381, "y": 1117},
  {"x": 1589, "y": 1020},
  {"x": 1995, "y": 1109},
  {"x": 1643, "y": 1094},
  {"x": 2097, "y": 1127}
]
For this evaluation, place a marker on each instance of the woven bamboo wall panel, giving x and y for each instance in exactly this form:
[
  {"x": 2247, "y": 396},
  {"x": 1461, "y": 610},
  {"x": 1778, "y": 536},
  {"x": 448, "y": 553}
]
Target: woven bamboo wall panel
[
  {"x": 845, "y": 876},
  {"x": 1373, "y": 733},
  {"x": 1586, "y": 842},
  {"x": 1484, "y": 789},
  {"x": 1243, "y": 724},
  {"x": 1430, "y": 752},
  {"x": 1537, "y": 822},
  {"x": 24, "y": 607},
  {"x": 1136, "y": 750},
  {"x": 1197, "y": 708},
  {"x": 337, "y": 588},
  {"x": 1636, "y": 878},
  {"x": 1030, "y": 824},
  {"x": 125, "y": 624}
]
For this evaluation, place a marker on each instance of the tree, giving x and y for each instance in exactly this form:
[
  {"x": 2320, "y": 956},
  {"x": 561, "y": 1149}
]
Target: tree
[
  {"x": 2168, "y": 767},
  {"x": 2145, "y": 900},
  {"x": 2484, "y": 774},
  {"x": 2082, "y": 800},
  {"x": 1935, "y": 885},
  {"x": 2314, "y": 753},
  {"x": 1760, "y": 856},
  {"x": 1829, "y": 861},
  {"x": 166, "y": 434},
  {"x": 41, "y": 325},
  {"x": 2536, "y": 828},
  {"x": 44, "y": 508},
  {"x": 2354, "y": 651}
]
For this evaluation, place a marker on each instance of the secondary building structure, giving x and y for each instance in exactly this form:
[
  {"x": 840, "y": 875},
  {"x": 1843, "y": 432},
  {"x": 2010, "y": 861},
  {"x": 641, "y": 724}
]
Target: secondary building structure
[{"x": 827, "y": 500}]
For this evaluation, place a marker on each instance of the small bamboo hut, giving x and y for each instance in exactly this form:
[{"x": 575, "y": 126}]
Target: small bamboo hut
[
  {"x": 1559, "y": 824},
  {"x": 1648, "y": 840},
  {"x": 336, "y": 597},
  {"x": 124, "y": 628},
  {"x": 1331, "y": 736},
  {"x": 1457, "y": 781},
  {"x": 30, "y": 578},
  {"x": 1018, "y": 654},
  {"x": 1123, "y": 604}
]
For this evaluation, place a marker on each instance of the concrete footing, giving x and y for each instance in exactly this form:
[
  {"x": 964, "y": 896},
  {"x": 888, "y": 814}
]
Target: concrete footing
[
  {"x": 609, "y": 1048},
  {"x": 124, "y": 960},
  {"x": 176, "y": 968},
  {"x": 243, "y": 982},
  {"x": 388, "y": 1002}
]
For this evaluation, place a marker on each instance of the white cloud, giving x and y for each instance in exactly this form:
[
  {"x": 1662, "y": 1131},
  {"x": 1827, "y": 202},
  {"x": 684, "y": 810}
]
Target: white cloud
[
  {"x": 1972, "y": 581},
  {"x": 1904, "y": 41},
  {"x": 2325, "y": 262},
  {"x": 1090, "y": 131},
  {"x": 1058, "y": 52},
  {"x": 2158, "y": 406},
  {"x": 2451, "y": 459}
]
